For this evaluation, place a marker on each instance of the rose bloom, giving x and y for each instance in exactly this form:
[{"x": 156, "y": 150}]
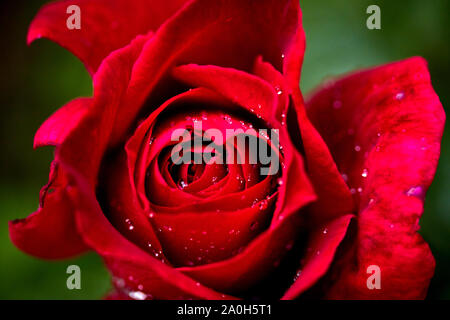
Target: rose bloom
[{"x": 339, "y": 219}]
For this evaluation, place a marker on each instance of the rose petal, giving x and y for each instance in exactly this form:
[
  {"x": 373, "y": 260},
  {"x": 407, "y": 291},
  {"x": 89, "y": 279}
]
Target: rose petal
[
  {"x": 334, "y": 198},
  {"x": 240, "y": 87},
  {"x": 251, "y": 28},
  {"x": 321, "y": 247},
  {"x": 105, "y": 25},
  {"x": 397, "y": 123},
  {"x": 56, "y": 128},
  {"x": 52, "y": 224},
  {"x": 137, "y": 269},
  {"x": 49, "y": 232}
]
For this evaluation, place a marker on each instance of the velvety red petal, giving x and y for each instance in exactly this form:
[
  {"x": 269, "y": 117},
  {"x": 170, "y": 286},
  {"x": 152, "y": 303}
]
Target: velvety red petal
[
  {"x": 383, "y": 126},
  {"x": 135, "y": 268},
  {"x": 244, "y": 89},
  {"x": 321, "y": 247},
  {"x": 49, "y": 232},
  {"x": 56, "y": 128},
  {"x": 105, "y": 25},
  {"x": 250, "y": 28},
  {"x": 333, "y": 194},
  {"x": 264, "y": 253},
  {"x": 334, "y": 197}
]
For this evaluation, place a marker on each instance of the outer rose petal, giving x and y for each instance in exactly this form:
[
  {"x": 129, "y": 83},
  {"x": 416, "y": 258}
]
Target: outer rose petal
[
  {"x": 49, "y": 232},
  {"x": 56, "y": 128},
  {"x": 322, "y": 244},
  {"x": 84, "y": 140},
  {"x": 244, "y": 89},
  {"x": 105, "y": 25},
  {"x": 396, "y": 123}
]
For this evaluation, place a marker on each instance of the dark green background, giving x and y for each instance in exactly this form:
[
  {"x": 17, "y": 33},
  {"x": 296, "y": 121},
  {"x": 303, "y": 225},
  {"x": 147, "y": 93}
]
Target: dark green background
[{"x": 37, "y": 80}]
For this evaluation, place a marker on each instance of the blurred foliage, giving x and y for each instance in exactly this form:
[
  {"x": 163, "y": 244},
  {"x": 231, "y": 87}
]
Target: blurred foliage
[{"x": 39, "y": 79}]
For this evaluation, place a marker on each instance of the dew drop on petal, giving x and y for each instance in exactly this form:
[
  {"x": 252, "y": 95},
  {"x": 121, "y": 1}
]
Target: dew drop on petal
[
  {"x": 137, "y": 295},
  {"x": 415, "y": 191},
  {"x": 183, "y": 184},
  {"x": 400, "y": 96},
  {"x": 364, "y": 173}
]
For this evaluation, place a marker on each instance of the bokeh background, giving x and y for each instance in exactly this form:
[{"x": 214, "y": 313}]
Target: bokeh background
[{"x": 37, "y": 80}]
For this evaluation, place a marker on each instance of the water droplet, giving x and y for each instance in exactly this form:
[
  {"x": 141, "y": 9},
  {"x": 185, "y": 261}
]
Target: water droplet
[
  {"x": 263, "y": 205},
  {"x": 130, "y": 225},
  {"x": 197, "y": 284},
  {"x": 345, "y": 177},
  {"x": 360, "y": 190},
  {"x": 364, "y": 173},
  {"x": 352, "y": 190},
  {"x": 357, "y": 148},
  {"x": 325, "y": 231},
  {"x": 227, "y": 118},
  {"x": 137, "y": 295},
  {"x": 297, "y": 275},
  {"x": 151, "y": 215},
  {"x": 400, "y": 96},
  {"x": 151, "y": 140},
  {"x": 415, "y": 192},
  {"x": 183, "y": 184}
]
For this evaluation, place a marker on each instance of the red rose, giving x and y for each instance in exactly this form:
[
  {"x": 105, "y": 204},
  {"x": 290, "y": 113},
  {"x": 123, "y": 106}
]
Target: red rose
[{"x": 355, "y": 160}]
